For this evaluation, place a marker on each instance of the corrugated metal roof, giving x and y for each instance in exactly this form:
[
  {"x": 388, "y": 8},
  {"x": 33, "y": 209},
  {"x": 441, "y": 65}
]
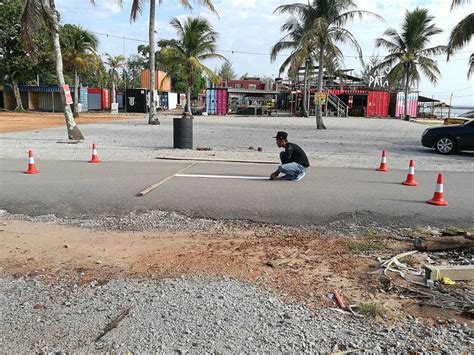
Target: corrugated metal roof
[{"x": 41, "y": 88}]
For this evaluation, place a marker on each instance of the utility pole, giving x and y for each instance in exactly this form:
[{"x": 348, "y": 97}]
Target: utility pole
[
  {"x": 125, "y": 77},
  {"x": 450, "y": 102}
]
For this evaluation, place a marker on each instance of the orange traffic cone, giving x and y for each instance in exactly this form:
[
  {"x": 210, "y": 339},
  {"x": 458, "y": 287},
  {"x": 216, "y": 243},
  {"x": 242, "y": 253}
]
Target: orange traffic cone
[
  {"x": 31, "y": 164},
  {"x": 410, "y": 181},
  {"x": 438, "y": 197},
  {"x": 383, "y": 164},
  {"x": 95, "y": 158}
]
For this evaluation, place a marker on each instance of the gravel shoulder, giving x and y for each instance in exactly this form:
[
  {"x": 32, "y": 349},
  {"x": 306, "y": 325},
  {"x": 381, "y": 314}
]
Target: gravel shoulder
[{"x": 195, "y": 316}]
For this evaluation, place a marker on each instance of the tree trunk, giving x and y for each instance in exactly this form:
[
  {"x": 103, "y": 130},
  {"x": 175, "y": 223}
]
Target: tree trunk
[
  {"x": 76, "y": 94},
  {"x": 305, "y": 88},
  {"x": 72, "y": 129},
  {"x": 114, "y": 94},
  {"x": 16, "y": 92},
  {"x": 407, "y": 89},
  {"x": 443, "y": 243},
  {"x": 152, "y": 118},
  {"x": 319, "y": 107}
]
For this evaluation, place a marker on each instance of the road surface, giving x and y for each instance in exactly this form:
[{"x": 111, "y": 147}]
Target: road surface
[{"x": 75, "y": 189}]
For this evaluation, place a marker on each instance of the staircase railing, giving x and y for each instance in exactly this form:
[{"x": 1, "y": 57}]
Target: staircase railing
[{"x": 340, "y": 106}]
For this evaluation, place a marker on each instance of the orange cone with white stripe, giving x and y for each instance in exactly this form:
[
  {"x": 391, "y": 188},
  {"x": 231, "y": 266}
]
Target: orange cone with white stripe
[
  {"x": 95, "y": 157},
  {"x": 438, "y": 197},
  {"x": 31, "y": 164},
  {"x": 383, "y": 163},
  {"x": 410, "y": 181}
]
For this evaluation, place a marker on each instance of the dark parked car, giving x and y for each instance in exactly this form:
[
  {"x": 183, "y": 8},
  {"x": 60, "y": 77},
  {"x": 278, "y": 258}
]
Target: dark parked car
[{"x": 450, "y": 139}]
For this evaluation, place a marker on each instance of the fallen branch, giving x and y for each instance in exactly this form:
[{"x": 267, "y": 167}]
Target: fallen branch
[{"x": 113, "y": 324}]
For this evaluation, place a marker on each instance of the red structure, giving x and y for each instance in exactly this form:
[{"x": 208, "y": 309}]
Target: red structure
[
  {"x": 249, "y": 84},
  {"x": 365, "y": 103}
]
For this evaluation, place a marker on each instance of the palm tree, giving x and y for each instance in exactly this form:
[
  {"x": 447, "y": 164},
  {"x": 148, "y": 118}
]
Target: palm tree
[
  {"x": 196, "y": 43},
  {"x": 324, "y": 22},
  {"x": 408, "y": 50},
  {"x": 303, "y": 53},
  {"x": 137, "y": 8},
  {"x": 114, "y": 63},
  {"x": 226, "y": 72},
  {"x": 34, "y": 12},
  {"x": 79, "y": 45},
  {"x": 461, "y": 35}
]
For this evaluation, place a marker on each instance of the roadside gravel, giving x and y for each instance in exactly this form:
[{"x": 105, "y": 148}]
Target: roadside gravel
[
  {"x": 196, "y": 315},
  {"x": 348, "y": 142}
]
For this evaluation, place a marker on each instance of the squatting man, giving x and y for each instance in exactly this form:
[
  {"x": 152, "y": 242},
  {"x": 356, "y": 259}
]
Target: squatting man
[{"x": 294, "y": 161}]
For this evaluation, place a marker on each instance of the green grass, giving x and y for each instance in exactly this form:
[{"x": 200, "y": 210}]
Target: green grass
[
  {"x": 370, "y": 309},
  {"x": 366, "y": 246}
]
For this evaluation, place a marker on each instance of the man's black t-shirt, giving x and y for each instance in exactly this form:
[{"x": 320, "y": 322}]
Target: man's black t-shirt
[{"x": 294, "y": 153}]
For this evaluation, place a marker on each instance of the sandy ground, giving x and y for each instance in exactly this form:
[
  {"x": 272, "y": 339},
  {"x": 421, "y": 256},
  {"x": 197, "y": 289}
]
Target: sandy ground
[
  {"x": 28, "y": 121},
  {"x": 84, "y": 256}
]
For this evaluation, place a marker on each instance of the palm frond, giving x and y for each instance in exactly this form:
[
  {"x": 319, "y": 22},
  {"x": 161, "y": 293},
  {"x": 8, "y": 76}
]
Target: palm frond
[{"x": 461, "y": 34}]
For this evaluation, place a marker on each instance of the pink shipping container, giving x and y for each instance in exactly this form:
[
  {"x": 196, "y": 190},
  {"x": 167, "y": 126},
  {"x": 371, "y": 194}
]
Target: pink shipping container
[{"x": 397, "y": 104}]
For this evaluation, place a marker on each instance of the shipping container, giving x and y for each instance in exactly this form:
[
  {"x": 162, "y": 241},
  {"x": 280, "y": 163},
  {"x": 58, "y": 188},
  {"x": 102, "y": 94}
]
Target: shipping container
[
  {"x": 172, "y": 100},
  {"x": 162, "y": 81},
  {"x": 397, "y": 104},
  {"x": 164, "y": 103},
  {"x": 216, "y": 101},
  {"x": 137, "y": 100},
  {"x": 120, "y": 100},
  {"x": 377, "y": 103},
  {"x": 94, "y": 99},
  {"x": 105, "y": 99},
  {"x": 364, "y": 103},
  {"x": 83, "y": 99},
  {"x": 221, "y": 102}
]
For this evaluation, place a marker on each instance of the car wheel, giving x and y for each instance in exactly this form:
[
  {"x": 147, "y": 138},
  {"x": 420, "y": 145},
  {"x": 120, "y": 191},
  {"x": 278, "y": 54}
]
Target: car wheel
[{"x": 445, "y": 145}]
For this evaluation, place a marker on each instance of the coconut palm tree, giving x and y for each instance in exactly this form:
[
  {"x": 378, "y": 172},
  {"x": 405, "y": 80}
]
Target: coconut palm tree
[
  {"x": 78, "y": 45},
  {"x": 35, "y": 12},
  {"x": 302, "y": 48},
  {"x": 114, "y": 63},
  {"x": 196, "y": 43},
  {"x": 323, "y": 22},
  {"x": 137, "y": 8},
  {"x": 409, "y": 51},
  {"x": 461, "y": 35}
]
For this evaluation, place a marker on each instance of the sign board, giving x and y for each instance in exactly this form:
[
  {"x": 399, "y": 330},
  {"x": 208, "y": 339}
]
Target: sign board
[
  {"x": 67, "y": 94},
  {"x": 114, "y": 108},
  {"x": 378, "y": 77},
  {"x": 319, "y": 98}
]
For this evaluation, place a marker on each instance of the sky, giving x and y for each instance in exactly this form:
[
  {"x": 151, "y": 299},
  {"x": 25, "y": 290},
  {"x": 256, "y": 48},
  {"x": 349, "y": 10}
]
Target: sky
[{"x": 251, "y": 28}]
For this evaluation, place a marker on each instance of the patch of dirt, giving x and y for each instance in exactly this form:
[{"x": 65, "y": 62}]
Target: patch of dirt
[
  {"x": 28, "y": 121},
  {"x": 320, "y": 263}
]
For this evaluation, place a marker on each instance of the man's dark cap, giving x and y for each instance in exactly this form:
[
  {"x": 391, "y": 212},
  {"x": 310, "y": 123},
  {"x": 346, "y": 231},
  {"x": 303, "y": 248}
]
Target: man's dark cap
[{"x": 281, "y": 135}]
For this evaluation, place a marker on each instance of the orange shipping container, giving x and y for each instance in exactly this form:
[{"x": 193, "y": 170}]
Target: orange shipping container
[{"x": 162, "y": 83}]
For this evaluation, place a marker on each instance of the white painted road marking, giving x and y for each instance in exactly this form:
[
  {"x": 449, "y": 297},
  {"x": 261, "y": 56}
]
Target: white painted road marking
[{"x": 224, "y": 176}]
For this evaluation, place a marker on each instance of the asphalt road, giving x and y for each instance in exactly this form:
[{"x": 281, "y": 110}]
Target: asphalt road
[{"x": 76, "y": 189}]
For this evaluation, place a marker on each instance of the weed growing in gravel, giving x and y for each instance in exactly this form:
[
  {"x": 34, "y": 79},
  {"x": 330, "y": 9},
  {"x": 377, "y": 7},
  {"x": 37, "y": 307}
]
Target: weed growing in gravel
[{"x": 370, "y": 309}]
